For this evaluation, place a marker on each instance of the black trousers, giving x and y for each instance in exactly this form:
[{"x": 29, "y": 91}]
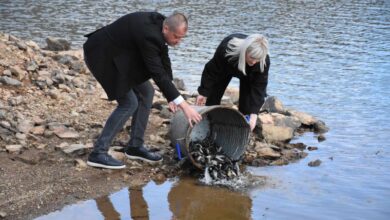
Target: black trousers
[{"x": 220, "y": 87}]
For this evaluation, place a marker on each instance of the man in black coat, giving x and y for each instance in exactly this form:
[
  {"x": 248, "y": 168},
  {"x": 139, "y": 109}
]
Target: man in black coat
[{"x": 123, "y": 56}]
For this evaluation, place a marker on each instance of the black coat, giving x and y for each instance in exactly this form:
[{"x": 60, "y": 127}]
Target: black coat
[
  {"x": 220, "y": 67},
  {"x": 129, "y": 52}
]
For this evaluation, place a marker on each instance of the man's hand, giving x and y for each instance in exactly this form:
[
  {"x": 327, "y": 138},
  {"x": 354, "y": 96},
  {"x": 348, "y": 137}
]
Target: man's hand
[
  {"x": 191, "y": 114},
  {"x": 200, "y": 100},
  {"x": 172, "y": 106}
]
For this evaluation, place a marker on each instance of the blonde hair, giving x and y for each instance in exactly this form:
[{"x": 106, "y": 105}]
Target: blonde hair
[{"x": 256, "y": 45}]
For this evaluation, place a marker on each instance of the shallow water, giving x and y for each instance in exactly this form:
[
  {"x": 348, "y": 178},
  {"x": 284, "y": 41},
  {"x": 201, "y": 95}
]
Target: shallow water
[{"x": 328, "y": 58}]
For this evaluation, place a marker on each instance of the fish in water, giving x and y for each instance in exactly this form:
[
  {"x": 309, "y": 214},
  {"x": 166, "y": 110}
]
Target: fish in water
[{"x": 217, "y": 165}]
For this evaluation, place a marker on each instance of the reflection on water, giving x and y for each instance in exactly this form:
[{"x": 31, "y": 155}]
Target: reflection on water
[{"x": 186, "y": 200}]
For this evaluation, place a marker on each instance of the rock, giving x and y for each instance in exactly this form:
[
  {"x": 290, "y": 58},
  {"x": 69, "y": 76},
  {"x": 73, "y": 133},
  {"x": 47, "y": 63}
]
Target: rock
[
  {"x": 160, "y": 178},
  {"x": 78, "y": 149},
  {"x": 258, "y": 162},
  {"x": 57, "y": 44},
  {"x": 38, "y": 130},
  {"x": 24, "y": 126},
  {"x": 10, "y": 81},
  {"x": 54, "y": 94},
  {"x": 13, "y": 148},
  {"x": 80, "y": 163},
  {"x": 310, "y": 148},
  {"x": 321, "y": 138},
  {"x": 273, "y": 104},
  {"x": 20, "y": 136},
  {"x": 233, "y": 93},
  {"x": 18, "y": 72},
  {"x": 279, "y": 162},
  {"x": 304, "y": 118},
  {"x": 293, "y": 154},
  {"x": 314, "y": 163},
  {"x": 32, "y": 157},
  {"x": 165, "y": 113},
  {"x": 116, "y": 154},
  {"x": 7, "y": 73},
  {"x": 15, "y": 101},
  {"x": 286, "y": 121},
  {"x": 3, "y": 214},
  {"x": 179, "y": 83},
  {"x": 38, "y": 120},
  {"x": 276, "y": 133},
  {"x": 320, "y": 127},
  {"x": 267, "y": 153},
  {"x": 264, "y": 119},
  {"x": 66, "y": 133},
  {"x": 5, "y": 124}
]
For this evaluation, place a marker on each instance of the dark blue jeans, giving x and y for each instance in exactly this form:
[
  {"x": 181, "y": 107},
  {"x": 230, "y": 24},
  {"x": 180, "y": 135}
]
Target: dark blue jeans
[{"x": 137, "y": 103}]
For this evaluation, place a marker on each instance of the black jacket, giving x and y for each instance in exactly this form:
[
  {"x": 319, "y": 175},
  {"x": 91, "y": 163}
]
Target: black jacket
[
  {"x": 129, "y": 52},
  {"x": 220, "y": 67}
]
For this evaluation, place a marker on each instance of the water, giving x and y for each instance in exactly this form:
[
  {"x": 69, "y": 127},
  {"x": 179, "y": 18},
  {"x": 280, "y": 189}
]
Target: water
[{"x": 328, "y": 58}]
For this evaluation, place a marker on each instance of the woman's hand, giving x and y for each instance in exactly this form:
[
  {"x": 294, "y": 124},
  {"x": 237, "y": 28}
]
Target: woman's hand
[
  {"x": 200, "y": 100},
  {"x": 191, "y": 114},
  {"x": 172, "y": 106}
]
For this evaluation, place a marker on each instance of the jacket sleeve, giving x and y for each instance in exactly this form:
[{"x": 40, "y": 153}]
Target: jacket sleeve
[
  {"x": 152, "y": 55},
  {"x": 209, "y": 77},
  {"x": 259, "y": 88}
]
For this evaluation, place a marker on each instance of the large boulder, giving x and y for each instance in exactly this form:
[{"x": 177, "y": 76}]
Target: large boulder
[
  {"x": 275, "y": 134},
  {"x": 57, "y": 44},
  {"x": 273, "y": 104}
]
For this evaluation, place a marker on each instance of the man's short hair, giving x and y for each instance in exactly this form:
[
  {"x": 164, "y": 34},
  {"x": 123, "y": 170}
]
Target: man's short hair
[{"x": 175, "y": 20}]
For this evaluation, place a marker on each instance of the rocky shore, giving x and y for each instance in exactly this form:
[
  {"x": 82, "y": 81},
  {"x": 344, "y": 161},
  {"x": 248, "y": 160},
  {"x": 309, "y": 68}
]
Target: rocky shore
[{"x": 52, "y": 109}]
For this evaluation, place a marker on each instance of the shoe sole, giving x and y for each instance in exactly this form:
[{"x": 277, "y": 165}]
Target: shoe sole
[
  {"x": 92, "y": 164},
  {"x": 143, "y": 159}
]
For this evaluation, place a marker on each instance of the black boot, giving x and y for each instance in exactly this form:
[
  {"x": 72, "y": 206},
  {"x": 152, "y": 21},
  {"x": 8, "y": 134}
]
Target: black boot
[
  {"x": 142, "y": 153},
  {"x": 104, "y": 160}
]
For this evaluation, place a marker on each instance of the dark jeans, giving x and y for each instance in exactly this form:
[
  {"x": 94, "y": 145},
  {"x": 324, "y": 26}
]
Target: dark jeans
[{"x": 137, "y": 103}]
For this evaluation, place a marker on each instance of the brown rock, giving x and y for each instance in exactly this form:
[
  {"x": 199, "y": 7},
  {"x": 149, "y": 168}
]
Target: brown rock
[
  {"x": 314, "y": 163},
  {"x": 267, "y": 153},
  {"x": 276, "y": 133}
]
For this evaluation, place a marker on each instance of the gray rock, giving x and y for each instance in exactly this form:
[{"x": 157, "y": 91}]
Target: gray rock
[
  {"x": 273, "y": 104},
  {"x": 314, "y": 163},
  {"x": 321, "y": 138},
  {"x": 24, "y": 126},
  {"x": 179, "y": 83},
  {"x": 304, "y": 118},
  {"x": 15, "y": 101},
  {"x": 57, "y": 44},
  {"x": 10, "y": 81},
  {"x": 20, "y": 136},
  {"x": 320, "y": 127},
  {"x": 74, "y": 149}
]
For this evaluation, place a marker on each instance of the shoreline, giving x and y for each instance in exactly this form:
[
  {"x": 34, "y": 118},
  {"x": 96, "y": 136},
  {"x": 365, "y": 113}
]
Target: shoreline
[{"x": 52, "y": 109}]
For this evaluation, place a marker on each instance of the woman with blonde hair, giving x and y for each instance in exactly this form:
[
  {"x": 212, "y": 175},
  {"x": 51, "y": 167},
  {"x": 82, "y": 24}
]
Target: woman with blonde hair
[{"x": 244, "y": 57}]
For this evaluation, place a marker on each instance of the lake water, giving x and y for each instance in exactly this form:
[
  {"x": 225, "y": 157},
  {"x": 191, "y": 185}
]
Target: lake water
[{"x": 330, "y": 58}]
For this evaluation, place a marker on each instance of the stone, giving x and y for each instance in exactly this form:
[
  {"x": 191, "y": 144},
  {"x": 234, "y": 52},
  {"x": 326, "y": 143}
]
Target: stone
[
  {"x": 264, "y": 119},
  {"x": 78, "y": 149},
  {"x": 320, "y": 127},
  {"x": 160, "y": 178},
  {"x": 179, "y": 83},
  {"x": 276, "y": 133},
  {"x": 32, "y": 157},
  {"x": 279, "y": 162},
  {"x": 57, "y": 44},
  {"x": 273, "y": 104},
  {"x": 38, "y": 130},
  {"x": 116, "y": 154},
  {"x": 3, "y": 214},
  {"x": 267, "y": 152},
  {"x": 80, "y": 163},
  {"x": 20, "y": 136},
  {"x": 13, "y": 148},
  {"x": 10, "y": 81},
  {"x": 304, "y": 118},
  {"x": 310, "y": 148},
  {"x": 54, "y": 94},
  {"x": 7, "y": 73},
  {"x": 293, "y": 154},
  {"x": 321, "y": 138},
  {"x": 233, "y": 93},
  {"x": 38, "y": 120},
  {"x": 65, "y": 134},
  {"x": 5, "y": 124},
  {"x": 314, "y": 163},
  {"x": 286, "y": 121},
  {"x": 15, "y": 101},
  {"x": 18, "y": 72},
  {"x": 24, "y": 126}
]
